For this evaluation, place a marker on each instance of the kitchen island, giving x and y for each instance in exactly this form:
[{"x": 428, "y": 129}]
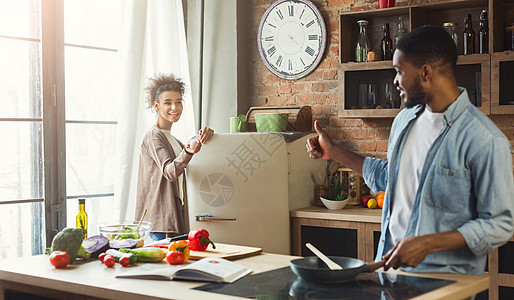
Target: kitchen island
[{"x": 92, "y": 280}]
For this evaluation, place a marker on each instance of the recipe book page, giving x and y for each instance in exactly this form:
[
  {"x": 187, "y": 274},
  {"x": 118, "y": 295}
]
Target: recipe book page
[{"x": 211, "y": 269}]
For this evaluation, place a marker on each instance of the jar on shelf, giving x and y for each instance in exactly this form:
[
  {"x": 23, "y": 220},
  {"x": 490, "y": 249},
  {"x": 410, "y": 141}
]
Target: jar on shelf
[
  {"x": 401, "y": 32},
  {"x": 509, "y": 36},
  {"x": 451, "y": 29},
  {"x": 363, "y": 46}
]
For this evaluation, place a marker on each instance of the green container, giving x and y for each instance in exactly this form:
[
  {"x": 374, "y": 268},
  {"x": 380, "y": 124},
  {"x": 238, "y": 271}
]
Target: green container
[{"x": 271, "y": 122}]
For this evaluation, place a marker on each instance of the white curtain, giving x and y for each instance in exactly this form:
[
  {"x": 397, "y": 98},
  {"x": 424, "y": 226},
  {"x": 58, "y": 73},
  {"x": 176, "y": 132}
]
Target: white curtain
[{"x": 153, "y": 41}]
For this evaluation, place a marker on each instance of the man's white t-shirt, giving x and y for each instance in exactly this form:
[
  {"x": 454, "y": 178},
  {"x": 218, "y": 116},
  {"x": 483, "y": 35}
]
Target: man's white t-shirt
[
  {"x": 424, "y": 131},
  {"x": 177, "y": 149}
]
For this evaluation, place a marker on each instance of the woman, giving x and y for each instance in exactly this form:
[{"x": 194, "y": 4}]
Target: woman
[{"x": 161, "y": 188}]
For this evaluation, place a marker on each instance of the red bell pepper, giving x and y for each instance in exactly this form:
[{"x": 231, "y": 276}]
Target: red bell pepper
[{"x": 198, "y": 240}]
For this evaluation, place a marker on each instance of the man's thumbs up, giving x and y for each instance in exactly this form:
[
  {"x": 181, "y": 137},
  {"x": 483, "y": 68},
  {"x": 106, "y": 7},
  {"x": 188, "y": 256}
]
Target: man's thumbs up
[{"x": 317, "y": 146}]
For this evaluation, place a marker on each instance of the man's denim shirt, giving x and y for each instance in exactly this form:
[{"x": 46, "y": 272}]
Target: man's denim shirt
[{"x": 466, "y": 184}]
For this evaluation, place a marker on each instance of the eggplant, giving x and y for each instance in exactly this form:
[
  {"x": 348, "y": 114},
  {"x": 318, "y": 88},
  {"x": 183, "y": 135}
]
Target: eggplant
[{"x": 96, "y": 244}]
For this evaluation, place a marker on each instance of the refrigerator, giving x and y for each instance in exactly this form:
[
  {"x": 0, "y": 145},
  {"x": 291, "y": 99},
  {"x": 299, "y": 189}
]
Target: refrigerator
[{"x": 241, "y": 187}]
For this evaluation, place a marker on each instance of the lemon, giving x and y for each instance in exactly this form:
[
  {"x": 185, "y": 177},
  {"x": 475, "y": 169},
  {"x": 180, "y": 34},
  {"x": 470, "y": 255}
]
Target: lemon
[{"x": 372, "y": 203}]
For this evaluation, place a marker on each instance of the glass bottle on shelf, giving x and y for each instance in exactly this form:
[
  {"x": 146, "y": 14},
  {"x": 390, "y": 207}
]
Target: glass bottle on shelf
[
  {"x": 81, "y": 219},
  {"x": 469, "y": 36},
  {"x": 483, "y": 34},
  {"x": 399, "y": 33},
  {"x": 386, "y": 44},
  {"x": 509, "y": 36},
  {"x": 450, "y": 28},
  {"x": 362, "y": 48}
]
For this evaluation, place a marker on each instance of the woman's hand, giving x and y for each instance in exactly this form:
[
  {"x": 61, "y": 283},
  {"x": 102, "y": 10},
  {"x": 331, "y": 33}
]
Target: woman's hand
[
  {"x": 203, "y": 137},
  {"x": 205, "y": 134},
  {"x": 194, "y": 146}
]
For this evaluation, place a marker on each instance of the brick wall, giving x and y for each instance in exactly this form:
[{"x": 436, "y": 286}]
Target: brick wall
[{"x": 319, "y": 89}]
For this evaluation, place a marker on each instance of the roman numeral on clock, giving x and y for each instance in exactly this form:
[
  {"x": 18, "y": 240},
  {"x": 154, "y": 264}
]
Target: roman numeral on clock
[
  {"x": 270, "y": 38},
  {"x": 310, "y": 24},
  {"x": 272, "y": 51},
  {"x": 313, "y": 37},
  {"x": 290, "y": 9},
  {"x": 280, "y": 15},
  {"x": 309, "y": 51},
  {"x": 279, "y": 61},
  {"x": 290, "y": 65}
]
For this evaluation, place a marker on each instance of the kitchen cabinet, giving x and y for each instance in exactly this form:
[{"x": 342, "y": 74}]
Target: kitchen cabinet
[
  {"x": 502, "y": 89},
  {"x": 363, "y": 222},
  {"x": 366, "y": 223},
  {"x": 485, "y": 76},
  {"x": 501, "y": 272}
]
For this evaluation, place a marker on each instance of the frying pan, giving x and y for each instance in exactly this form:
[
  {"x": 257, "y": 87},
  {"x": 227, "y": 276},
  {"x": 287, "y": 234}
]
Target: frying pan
[{"x": 313, "y": 269}]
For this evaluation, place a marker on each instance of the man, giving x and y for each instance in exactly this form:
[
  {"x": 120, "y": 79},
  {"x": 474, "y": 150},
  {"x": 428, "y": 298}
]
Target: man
[{"x": 448, "y": 176}]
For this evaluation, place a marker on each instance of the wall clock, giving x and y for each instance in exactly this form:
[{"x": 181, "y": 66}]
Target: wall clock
[{"x": 291, "y": 38}]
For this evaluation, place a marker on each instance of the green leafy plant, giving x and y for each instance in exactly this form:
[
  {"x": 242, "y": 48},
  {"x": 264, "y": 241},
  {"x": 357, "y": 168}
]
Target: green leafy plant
[{"x": 337, "y": 188}]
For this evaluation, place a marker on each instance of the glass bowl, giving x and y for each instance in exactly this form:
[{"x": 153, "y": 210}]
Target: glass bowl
[{"x": 125, "y": 230}]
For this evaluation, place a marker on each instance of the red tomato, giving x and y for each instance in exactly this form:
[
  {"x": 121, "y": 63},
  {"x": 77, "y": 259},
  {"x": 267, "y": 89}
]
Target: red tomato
[
  {"x": 124, "y": 261},
  {"x": 59, "y": 259},
  {"x": 109, "y": 261},
  {"x": 175, "y": 258},
  {"x": 102, "y": 256}
]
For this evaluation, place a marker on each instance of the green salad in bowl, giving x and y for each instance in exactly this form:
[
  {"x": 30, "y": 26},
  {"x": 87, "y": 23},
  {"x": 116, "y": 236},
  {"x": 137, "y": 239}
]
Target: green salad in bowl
[{"x": 125, "y": 230}]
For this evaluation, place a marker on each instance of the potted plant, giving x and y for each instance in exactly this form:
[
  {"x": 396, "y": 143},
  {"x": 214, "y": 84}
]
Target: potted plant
[{"x": 336, "y": 197}]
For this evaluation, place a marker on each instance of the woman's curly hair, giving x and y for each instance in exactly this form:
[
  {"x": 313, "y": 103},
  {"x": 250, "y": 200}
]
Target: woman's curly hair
[{"x": 162, "y": 83}]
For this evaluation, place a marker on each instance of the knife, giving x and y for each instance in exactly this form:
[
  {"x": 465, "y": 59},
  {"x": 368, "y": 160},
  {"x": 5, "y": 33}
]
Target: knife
[{"x": 168, "y": 240}]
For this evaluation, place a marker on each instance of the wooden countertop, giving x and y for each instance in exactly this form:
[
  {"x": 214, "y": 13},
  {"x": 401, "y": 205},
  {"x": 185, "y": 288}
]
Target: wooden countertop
[
  {"x": 348, "y": 213},
  {"x": 95, "y": 280}
]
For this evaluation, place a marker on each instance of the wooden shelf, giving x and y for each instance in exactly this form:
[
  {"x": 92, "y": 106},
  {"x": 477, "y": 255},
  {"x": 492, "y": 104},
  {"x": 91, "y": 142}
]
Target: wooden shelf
[
  {"x": 351, "y": 75},
  {"x": 478, "y": 73}
]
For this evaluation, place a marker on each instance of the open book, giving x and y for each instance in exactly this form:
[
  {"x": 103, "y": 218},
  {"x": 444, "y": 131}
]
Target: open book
[{"x": 212, "y": 269}]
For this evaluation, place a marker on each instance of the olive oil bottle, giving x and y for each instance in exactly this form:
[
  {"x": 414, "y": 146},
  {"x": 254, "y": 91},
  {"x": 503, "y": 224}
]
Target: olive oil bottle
[{"x": 81, "y": 219}]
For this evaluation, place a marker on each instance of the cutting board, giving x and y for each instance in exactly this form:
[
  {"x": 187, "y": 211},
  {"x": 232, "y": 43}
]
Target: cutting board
[{"x": 225, "y": 251}]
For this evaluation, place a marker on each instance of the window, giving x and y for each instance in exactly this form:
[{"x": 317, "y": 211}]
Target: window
[
  {"x": 91, "y": 59},
  {"x": 58, "y": 103},
  {"x": 21, "y": 156}
]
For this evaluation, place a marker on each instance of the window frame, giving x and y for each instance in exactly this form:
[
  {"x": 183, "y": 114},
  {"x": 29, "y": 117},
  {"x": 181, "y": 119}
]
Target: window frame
[{"x": 54, "y": 129}]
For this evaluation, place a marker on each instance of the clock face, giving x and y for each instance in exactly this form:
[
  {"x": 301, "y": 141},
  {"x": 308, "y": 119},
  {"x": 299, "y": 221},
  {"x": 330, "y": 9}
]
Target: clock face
[{"x": 291, "y": 38}]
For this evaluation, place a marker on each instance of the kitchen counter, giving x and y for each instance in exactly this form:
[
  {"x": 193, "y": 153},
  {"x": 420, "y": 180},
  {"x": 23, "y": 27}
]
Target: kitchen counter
[
  {"x": 348, "y": 213},
  {"x": 35, "y": 275}
]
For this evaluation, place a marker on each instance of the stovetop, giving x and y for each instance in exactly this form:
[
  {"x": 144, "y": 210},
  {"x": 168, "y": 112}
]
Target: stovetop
[{"x": 283, "y": 284}]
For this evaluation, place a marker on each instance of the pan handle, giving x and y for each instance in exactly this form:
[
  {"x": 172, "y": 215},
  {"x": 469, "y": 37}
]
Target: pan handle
[{"x": 376, "y": 265}]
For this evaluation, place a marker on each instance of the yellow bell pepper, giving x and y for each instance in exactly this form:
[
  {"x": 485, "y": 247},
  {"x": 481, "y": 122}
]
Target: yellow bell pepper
[{"x": 180, "y": 246}]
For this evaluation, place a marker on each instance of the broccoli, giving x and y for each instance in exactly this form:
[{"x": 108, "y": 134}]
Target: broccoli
[{"x": 70, "y": 240}]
